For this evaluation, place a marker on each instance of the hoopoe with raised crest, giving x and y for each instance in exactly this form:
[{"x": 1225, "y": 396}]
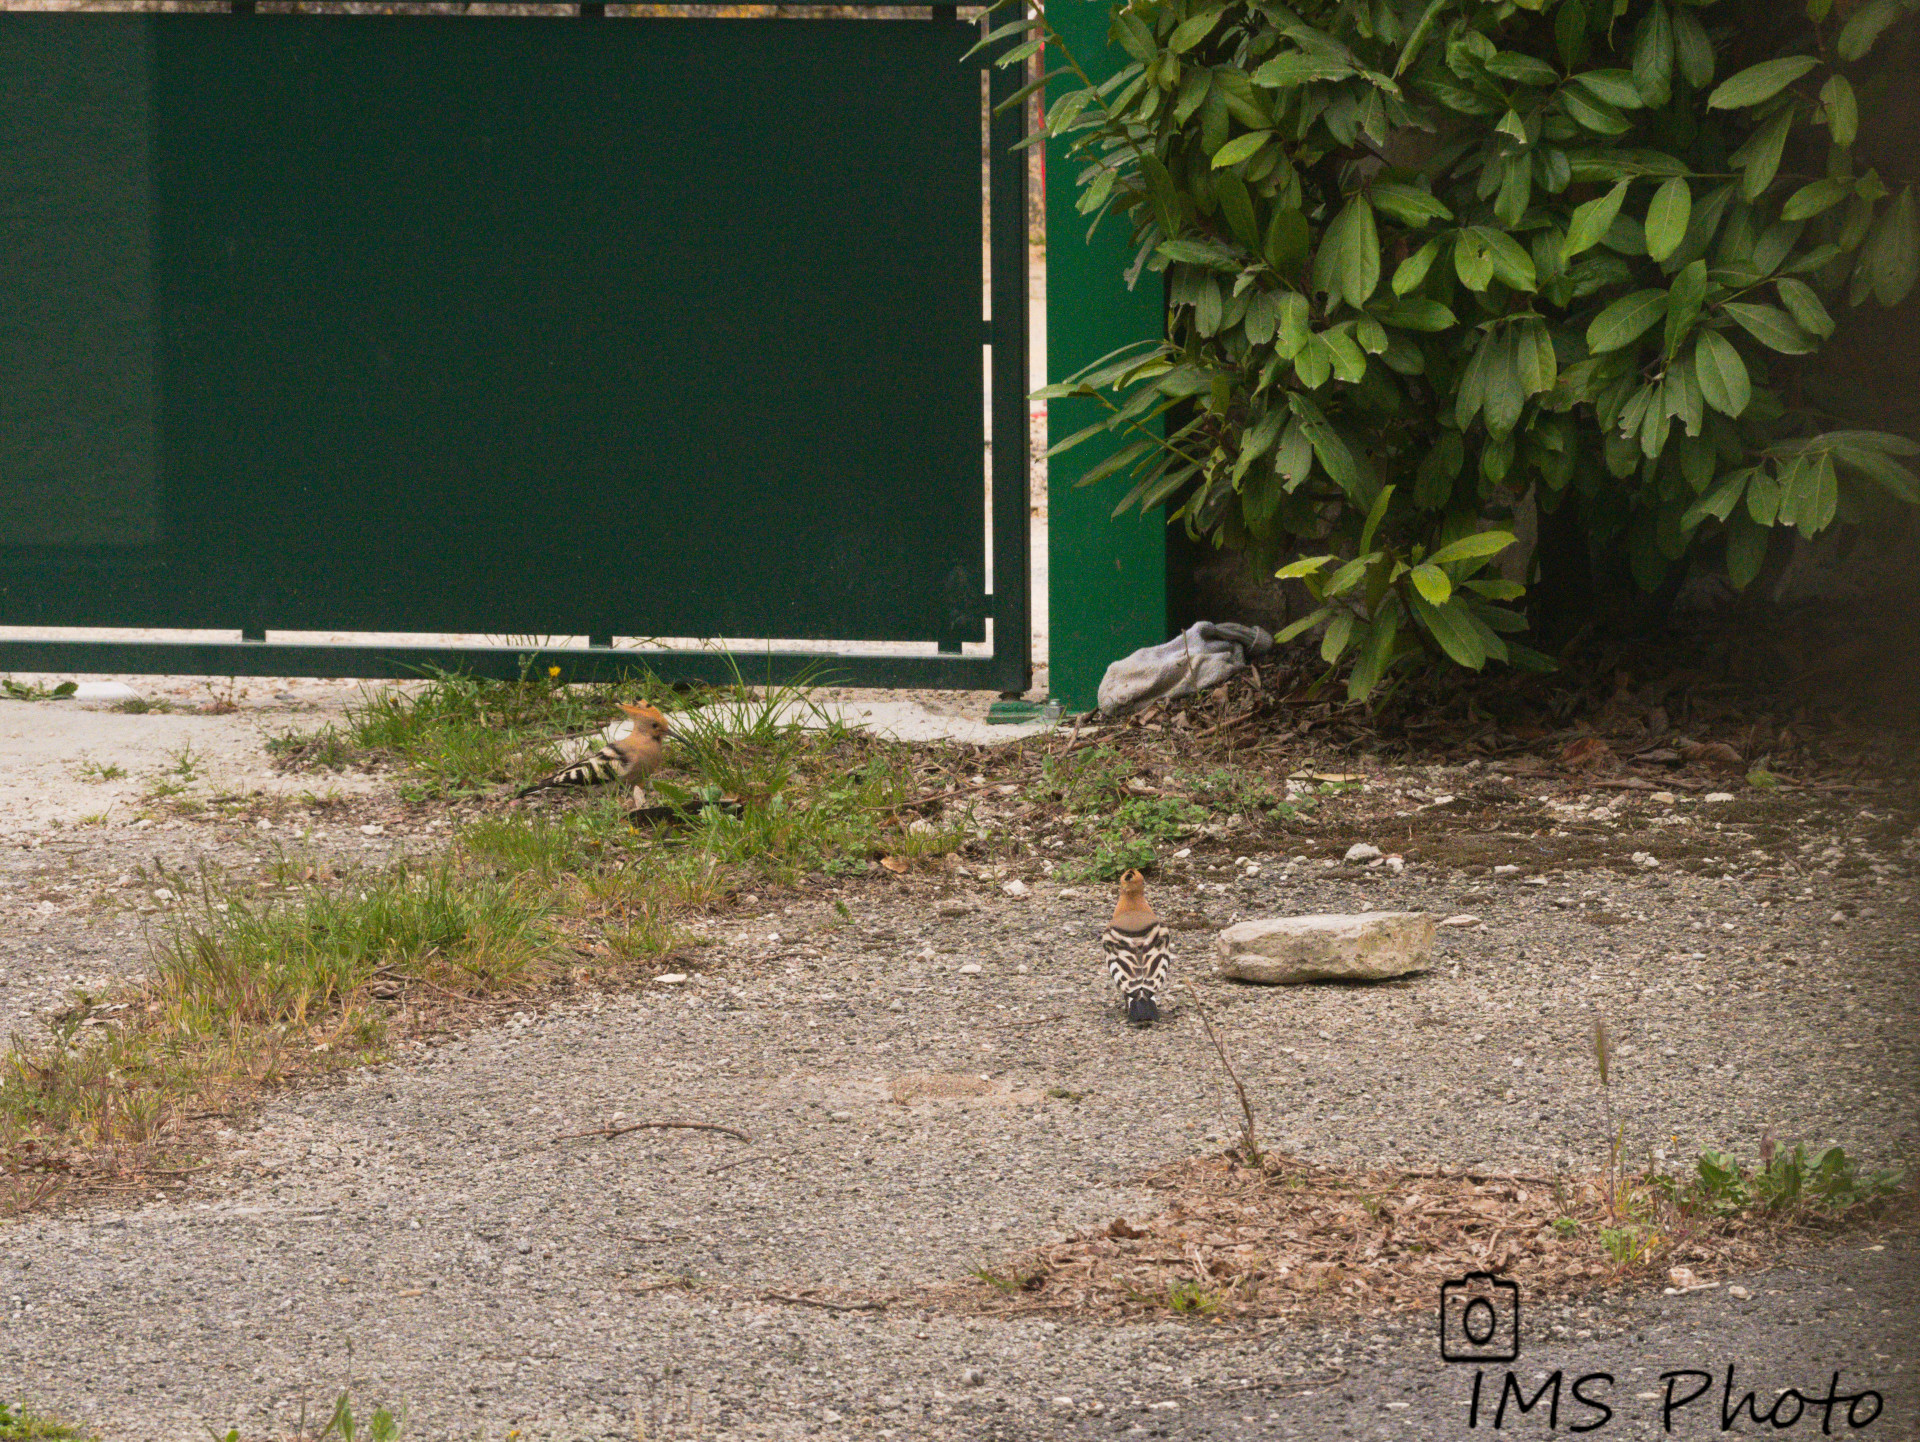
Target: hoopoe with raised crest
[
  {"x": 631, "y": 758},
  {"x": 1138, "y": 952}
]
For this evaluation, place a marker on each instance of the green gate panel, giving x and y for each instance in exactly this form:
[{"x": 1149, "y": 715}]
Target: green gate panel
[
  {"x": 1107, "y": 577},
  {"x": 517, "y": 326}
]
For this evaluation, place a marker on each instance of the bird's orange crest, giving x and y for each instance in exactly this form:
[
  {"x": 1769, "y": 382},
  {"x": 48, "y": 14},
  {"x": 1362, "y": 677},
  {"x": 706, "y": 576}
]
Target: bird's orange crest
[{"x": 646, "y": 718}]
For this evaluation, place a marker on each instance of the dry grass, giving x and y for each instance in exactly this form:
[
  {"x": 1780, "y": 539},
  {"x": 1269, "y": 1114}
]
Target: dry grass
[{"x": 1292, "y": 1239}]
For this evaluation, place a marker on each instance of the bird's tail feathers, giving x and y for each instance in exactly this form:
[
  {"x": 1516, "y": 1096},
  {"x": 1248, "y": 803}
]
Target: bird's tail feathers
[{"x": 1141, "y": 1008}]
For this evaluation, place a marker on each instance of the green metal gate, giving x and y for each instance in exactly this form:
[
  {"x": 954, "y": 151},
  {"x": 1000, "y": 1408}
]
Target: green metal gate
[{"x": 509, "y": 326}]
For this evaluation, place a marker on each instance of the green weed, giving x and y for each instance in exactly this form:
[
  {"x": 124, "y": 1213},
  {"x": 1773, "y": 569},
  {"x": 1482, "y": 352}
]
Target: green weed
[
  {"x": 20, "y": 691},
  {"x": 94, "y": 773},
  {"x": 1190, "y": 1298},
  {"x": 18, "y": 1424},
  {"x": 1826, "y": 1179}
]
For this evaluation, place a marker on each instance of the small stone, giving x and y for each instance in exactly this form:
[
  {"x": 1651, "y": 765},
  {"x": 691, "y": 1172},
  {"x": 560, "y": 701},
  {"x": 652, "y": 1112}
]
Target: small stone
[
  {"x": 372, "y": 828},
  {"x": 1293, "y": 949},
  {"x": 1465, "y": 918},
  {"x": 160, "y": 893},
  {"x": 1664, "y": 798},
  {"x": 1015, "y": 888},
  {"x": 1182, "y": 854},
  {"x": 1739, "y": 1293},
  {"x": 954, "y": 907},
  {"x": 973, "y": 1377},
  {"x": 1066, "y": 1402},
  {"x": 1361, "y": 851},
  {"x": 1839, "y": 918},
  {"x": 265, "y": 823},
  {"x": 1717, "y": 796},
  {"x": 1646, "y": 861},
  {"x": 671, "y": 978},
  {"x": 1396, "y": 864},
  {"x": 843, "y": 1116},
  {"x": 972, "y": 968},
  {"x": 920, "y": 826},
  {"x": 1508, "y": 870}
]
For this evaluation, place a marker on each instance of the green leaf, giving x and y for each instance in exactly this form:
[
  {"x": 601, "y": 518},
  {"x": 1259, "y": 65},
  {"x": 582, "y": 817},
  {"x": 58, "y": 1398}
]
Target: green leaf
[
  {"x": 1349, "y": 362},
  {"x": 1430, "y": 581},
  {"x": 1293, "y": 69},
  {"x": 1684, "y": 298},
  {"x": 1591, "y": 113},
  {"x": 1375, "y": 654},
  {"x": 1468, "y": 548},
  {"x": 1305, "y": 623},
  {"x": 1891, "y": 257},
  {"x": 1667, "y": 218},
  {"x": 1375, "y": 515},
  {"x": 1189, "y": 33},
  {"x": 1505, "y": 395},
  {"x": 1523, "y": 69},
  {"x": 1721, "y": 373},
  {"x": 1421, "y": 314},
  {"x": 1286, "y": 242},
  {"x": 1359, "y": 245},
  {"x": 1759, "y": 158},
  {"x": 1471, "y": 262},
  {"x": 1719, "y": 504},
  {"x": 1771, "y": 327},
  {"x": 1510, "y": 260},
  {"x": 1414, "y": 268},
  {"x": 1294, "y": 460},
  {"x": 1135, "y": 38},
  {"x": 1451, "y": 626},
  {"x": 1570, "y": 32},
  {"x": 1804, "y": 305},
  {"x": 1823, "y": 496},
  {"x": 1843, "y": 114},
  {"x": 1759, "y": 82},
  {"x": 1763, "y": 497},
  {"x": 1314, "y": 364},
  {"x": 1591, "y": 221},
  {"x": 1339, "y": 631},
  {"x": 1811, "y": 200},
  {"x": 1863, "y": 27},
  {"x": 1241, "y": 147},
  {"x": 1305, "y": 566},
  {"x": 1746, "y": 550},
  {"x": 1653, "y": 56},
  {"x": 1626, "y": 320},
  {"x": 1614, "y": 87},
  {"x": 1293, "y": 332},
  {"x": 1695, "y": 49},
  {"x": 1408, "y": 204}
]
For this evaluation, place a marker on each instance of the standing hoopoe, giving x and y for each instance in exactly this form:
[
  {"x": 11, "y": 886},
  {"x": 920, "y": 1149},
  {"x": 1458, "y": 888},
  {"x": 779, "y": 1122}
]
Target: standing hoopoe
[
  {"x": 1137, "y": 952},
  {"x": 632, "y": 758}
]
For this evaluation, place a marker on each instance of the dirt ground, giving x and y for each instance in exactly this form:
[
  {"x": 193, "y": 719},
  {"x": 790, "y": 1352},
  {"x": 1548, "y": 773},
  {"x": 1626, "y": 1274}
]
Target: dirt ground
[{"x": 935, "y": 1082}]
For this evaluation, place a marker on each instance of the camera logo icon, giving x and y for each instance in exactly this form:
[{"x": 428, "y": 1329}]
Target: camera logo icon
[{"x": 1479, "y": 1319}]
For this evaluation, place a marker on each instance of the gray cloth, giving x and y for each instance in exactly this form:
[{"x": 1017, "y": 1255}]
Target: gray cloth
[{"x": 1198, "y": 659}]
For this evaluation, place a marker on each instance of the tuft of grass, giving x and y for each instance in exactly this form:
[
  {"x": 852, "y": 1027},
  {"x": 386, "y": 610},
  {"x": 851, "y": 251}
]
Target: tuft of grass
[
  {"x": 93, "y": 773},
  {"x": 1190, "y": 1299},
  {"x": 19, "y": 1424},
  {"x": 140, "y": 706},
  {"x": 21, "y": 691}
]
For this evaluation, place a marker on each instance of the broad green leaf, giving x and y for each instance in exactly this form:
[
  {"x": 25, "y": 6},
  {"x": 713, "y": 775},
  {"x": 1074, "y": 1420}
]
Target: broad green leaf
[
  {"x": 1863, "y": 27},
  {"x": 1305, "y": 623},
  {"x": 1591, "y": 113},
  {"x": 1843, "y": 115},
  {"x": 1746, "y": 550},
  {"x": 1759, "y": 158},
  {"x": 1773, "y": 328},
  {"x": 1293, "y": 333},
  {"x": 1376, "y": 653},
  {"x": 1286, "y": 241},
  {"x": 1881, "y": 469},
  {"x": 1591, "y": 221},
  {"x": 1510, "y": 261},
  {"x": 1348, "y": 263},
  {"x": 1375, "y": 515},
  {"x": 1694, "y": 49},
  {"x": 1314, "y": 364},
  {"x": 1450, "y": 625},
  {"x": 1349, "y": 575},
  {"x": 1135, "y": 38},
  {"x": 1305, "y": 566},
  {"x": 1804, "y": 305},
  {"x": 1811, "y": 200},
  {"x": 1414, "y": 268},
  {"x": 1241, "y": 147},
  {"x": 1468, "y": 548},
  {"x": 1615, "y": 87},
  {"x": 1653, "y": 56},
  {"x": 1684, "y": 298},
  {"x": 1408, "y": 204},
  {"x": 1349, "y": 362},
  {"x": 1371, "y": 335},
  {"x": 1891, "y": 257},
  {"x": 1496, "y": 589},
  {"x": 1286, "y": 72},
  {"x": 1626, "y": 320},
  {"x": 1759, "y": 82},
  {"x": 1722, "y": 374},
  {"x": 1667, "y": 218},
  {"x": 1189, "y": 33},
  {"x": 1533, "y": 353},
  {"x": 1432, "y": 583},
  {"x": 1570, "y": 32},
  {"x": 1421, "y": 314},
  {"x": 1763, "y": 497},
  {"x": 1823, "y": 496},
  {"x": 1339, "y": 631},
  {"x": 1719, "y": 504},
  {"x": 1505, "y": 396},
  {"x": 1471, "y": 262},
  {"x": 1523, "y": 69}
]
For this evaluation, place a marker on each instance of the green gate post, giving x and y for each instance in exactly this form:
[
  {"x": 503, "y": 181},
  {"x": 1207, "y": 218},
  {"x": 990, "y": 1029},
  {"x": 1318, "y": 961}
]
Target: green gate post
[{"x": 1107, "y": 579}]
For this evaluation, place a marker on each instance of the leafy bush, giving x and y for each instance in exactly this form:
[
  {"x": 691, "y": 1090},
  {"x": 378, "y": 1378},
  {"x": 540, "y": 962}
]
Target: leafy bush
[{"x": 1427, "y": 259}]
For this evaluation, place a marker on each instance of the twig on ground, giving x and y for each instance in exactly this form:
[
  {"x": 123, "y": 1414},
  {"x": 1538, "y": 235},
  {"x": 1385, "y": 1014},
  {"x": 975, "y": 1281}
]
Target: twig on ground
[
  {"x": 611, "y": 1131},
  {"x": 829, "y": 1306},
  {"x": 1246, "y": 1107}
]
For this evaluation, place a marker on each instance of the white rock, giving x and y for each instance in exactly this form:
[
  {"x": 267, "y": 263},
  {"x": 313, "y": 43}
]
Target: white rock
[
  {"x": 1646, "y": 861},
  {"x": 1292, "y": 949},
  {"x": 105, "y": 691},
  {"x": 1015, "y": 888},
  {"x": 1465, "y": 918},
  {"x": 1665, "y": 798},
  {"x": 1183, "y": 853},
  {"x": 920, "y": 826},
  {"x": 373, "y": 828},
  {"x": 972, "y": 968},
  {"x": 671, "y": 978},
  {"x": 1361, "y": 851},
  {"x": 1740, "y": 1292},
  {"x": 1508, "y": 870},
  {"x": 1718, "y": 796},
  {"x": 1396, "y": 864}
]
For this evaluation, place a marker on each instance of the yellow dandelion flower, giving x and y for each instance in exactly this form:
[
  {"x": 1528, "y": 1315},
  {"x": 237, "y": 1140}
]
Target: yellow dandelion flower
[{"x": 553, "y": 671}]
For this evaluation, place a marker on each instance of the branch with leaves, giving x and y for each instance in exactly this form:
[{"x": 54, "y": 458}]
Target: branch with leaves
[{"x": 1428, "y": 261}]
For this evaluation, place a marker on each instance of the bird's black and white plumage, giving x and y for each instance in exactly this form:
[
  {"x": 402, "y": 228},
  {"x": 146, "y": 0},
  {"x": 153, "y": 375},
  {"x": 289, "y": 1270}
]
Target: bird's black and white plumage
[{"x": 1137, "y": 951}]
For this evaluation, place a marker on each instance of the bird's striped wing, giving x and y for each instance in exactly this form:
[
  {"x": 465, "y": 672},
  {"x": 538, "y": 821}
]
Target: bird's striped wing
[
  {"x": 1137, "y": 961},
  {"x": 606, "y": 764}
]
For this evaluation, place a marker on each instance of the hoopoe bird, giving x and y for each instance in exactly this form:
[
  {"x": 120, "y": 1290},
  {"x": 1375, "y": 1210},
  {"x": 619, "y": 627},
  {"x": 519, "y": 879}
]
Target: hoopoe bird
[
  {"x": 1137, "y": 951},
  {"x": 631, "y": 758}
]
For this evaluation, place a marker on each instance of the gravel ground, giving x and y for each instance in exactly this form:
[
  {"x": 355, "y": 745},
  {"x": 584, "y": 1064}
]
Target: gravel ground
[{"x": 940, "y": 1082}]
